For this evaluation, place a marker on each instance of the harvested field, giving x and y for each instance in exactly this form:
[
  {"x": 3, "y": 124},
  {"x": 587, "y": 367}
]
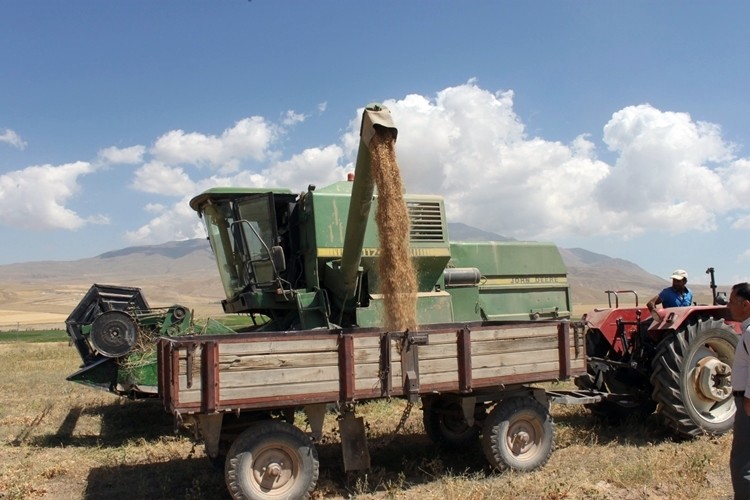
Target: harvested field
[{"x": 64, "y": 441}]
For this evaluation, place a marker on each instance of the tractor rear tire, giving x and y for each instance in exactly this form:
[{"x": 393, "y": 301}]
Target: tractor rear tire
[
  {"x": 272, "y": 459},
  {"x": 518, "y": 435},
  {"x": 683, "y": 402}
]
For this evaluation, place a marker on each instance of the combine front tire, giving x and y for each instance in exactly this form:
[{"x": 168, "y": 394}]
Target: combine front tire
[
  {"x": 692, "y": 378},
  {"x": 518, "y": 435},
  {"x": 271, "y": 459}
]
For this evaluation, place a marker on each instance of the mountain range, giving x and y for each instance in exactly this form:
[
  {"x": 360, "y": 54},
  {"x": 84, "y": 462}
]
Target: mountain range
[{"x": 184, "y": 272}]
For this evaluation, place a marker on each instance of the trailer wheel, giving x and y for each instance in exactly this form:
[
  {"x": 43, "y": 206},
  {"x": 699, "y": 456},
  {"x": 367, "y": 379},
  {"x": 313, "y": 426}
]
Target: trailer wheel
[
  {"x": 270, "y": 460},
  {"x": 446, "y": 426},
  {"x": 518, "y": 434},
  {"x": 692, "y": 378}
]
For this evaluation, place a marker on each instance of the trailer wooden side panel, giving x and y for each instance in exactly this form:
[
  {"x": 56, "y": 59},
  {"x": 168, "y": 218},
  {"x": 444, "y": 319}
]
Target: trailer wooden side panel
[{"x": 266, "y": 371}]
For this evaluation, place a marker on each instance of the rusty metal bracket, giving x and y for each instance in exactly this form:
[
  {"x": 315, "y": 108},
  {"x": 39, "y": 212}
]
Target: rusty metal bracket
[
  {"x": 407, "y": 346},
  {"x": 410, "y": 362},
  {"x": 384, "y": 373}
]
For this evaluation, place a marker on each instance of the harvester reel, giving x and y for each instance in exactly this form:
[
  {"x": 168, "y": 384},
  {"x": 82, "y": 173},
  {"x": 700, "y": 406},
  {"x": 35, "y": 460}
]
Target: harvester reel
[{"x": 114, "y": 334}]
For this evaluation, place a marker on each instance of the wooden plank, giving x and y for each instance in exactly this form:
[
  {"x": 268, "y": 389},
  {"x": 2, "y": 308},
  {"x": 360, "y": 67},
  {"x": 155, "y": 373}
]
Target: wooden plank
[
  {"x": 280, "y": 346},
  {"x": 280, "y": 377},
  {"x": 372, "y": 354},
  {"x": 299, "y": 389},
  {"x": 441, "y": 351},
  {"x": 372, "y": 370},
  {"x": 276, "y": 402},
  {"x": 442, "y": 338},
  {"x": 366, "y": 342},
  {"x": 438, "y": 366},
  {"x": 528, "y": 369},
  {"x": 367, "y": 384},
  {"x": 515, "y": 332},
  {"x": 236, "y": 362},
  {"x": 439, "y": 377},
  {"x": 517, "y": 358},
  {"x": 508, "y": 346}
]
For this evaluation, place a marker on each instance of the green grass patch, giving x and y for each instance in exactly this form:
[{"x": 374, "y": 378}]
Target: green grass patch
[{"x": 35, "y": 336}]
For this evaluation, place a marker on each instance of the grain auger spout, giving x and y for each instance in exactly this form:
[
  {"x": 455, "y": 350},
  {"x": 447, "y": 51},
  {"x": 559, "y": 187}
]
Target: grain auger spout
[{"x": 376, "y": 121}]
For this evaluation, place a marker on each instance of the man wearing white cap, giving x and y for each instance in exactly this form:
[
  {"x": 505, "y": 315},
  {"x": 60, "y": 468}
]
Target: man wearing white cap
[{"x": 677, "y": 295}]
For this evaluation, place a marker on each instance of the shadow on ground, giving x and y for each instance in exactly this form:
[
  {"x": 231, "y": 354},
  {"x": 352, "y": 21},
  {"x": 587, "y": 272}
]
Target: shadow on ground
[
  {"x": 116, "y": 424},
  {"x": 411, "y": 459}
]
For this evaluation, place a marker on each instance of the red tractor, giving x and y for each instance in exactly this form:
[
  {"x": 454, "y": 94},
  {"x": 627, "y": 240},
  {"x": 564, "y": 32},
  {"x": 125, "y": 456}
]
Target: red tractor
[{"x": 676, "y": 361}]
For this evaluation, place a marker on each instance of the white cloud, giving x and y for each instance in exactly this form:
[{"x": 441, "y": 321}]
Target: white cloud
[
  {"x": 12, "y": 138},
  {"x": 249, "y": 138},
  {"x": 665, "y": 175},
  {"x": 158, "y": 178},
  {"x": 35, "y": 197},
  {"x": 178, "y": 222},
  {"x": 468, "y": 144},
  {"x": 670, "y": 173},
  {"x": 122, "y": 156},
  {"x": 291, "y": 118},
  {"x": 319, "y": 166}
]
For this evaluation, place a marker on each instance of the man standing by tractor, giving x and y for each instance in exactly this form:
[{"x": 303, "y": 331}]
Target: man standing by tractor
[
  {"x": 677, "y": 295},
  {"x": 739, "y": 457}
]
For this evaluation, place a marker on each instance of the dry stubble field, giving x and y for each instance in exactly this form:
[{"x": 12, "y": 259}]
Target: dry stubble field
[{"x": 65, "y": 441}]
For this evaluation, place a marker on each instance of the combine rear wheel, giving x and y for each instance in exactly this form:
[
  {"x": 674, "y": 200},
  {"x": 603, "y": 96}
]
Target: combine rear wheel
[
  {"x": 692, "y": 378},
  {"x": 270, "y": 460},
  {"x": 518, "y": 435}
]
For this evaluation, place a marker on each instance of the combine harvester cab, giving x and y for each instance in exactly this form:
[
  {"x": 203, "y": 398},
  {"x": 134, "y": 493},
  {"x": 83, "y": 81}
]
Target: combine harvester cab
[{"x": 676, "y": 361}]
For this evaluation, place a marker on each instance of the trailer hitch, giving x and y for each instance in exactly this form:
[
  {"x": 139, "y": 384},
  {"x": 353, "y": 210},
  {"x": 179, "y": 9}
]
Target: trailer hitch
[{"x": 407, "y": 347}]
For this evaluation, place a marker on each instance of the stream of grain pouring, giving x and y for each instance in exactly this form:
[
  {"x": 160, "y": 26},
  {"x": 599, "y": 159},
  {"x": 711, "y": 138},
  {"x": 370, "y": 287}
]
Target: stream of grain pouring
[{"x": 398, "y": 280}]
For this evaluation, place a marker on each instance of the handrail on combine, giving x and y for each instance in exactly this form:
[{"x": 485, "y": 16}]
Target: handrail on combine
[{"x": 610, "y": 293}]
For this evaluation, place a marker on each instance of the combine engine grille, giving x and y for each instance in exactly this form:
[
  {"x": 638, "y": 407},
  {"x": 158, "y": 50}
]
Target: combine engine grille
[{"x": 426, "y": 221}]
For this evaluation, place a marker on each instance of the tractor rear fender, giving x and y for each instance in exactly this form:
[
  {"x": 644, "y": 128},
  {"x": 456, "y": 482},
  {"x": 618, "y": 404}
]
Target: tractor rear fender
[{"x": 675, "y": 318}]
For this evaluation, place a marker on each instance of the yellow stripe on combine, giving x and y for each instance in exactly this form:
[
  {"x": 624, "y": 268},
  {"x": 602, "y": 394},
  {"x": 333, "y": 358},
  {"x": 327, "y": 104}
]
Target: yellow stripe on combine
[
  {"x": 526, "y": 281},
  {"x": 374, "y": 252}
]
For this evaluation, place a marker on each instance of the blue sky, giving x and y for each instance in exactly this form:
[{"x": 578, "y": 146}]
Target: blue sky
[{"x": 619, "y": 127}]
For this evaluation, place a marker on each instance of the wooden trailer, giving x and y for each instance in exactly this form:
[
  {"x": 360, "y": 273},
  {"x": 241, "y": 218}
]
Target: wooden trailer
[{"x": 473, "y": 379}]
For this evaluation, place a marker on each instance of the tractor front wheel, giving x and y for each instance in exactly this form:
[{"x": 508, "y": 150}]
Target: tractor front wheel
[
  {"x": 271, "y": 459},
  {"x": 692, "y": 378}
]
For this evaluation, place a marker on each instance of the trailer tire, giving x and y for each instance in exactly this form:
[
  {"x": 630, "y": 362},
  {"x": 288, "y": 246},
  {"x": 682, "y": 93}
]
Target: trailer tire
[
  {"x": 518, "y": 435},
  {"x": 692, "y": 387},
  {"x": 445, "y": 425},
  {"x": 271, "y": 459}
]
